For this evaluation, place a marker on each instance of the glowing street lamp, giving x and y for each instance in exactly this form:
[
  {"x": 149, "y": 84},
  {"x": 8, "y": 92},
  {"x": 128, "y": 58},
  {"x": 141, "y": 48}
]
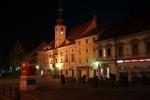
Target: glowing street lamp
[
  {"x": 95, "y": 64},
  {"x": 59, "y": 66},
  {"x": 37, "y": 67}
]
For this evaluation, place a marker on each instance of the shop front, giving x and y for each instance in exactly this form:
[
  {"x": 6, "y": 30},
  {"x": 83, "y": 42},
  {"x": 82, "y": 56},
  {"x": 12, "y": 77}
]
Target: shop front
[{"x": 134, "y": 70}]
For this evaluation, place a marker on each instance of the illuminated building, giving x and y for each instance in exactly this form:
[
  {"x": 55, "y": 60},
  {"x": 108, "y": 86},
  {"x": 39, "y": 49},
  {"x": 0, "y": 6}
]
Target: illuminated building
[
  {"x": 70, "y": 53},
  {"x": 124, "y": 48}
]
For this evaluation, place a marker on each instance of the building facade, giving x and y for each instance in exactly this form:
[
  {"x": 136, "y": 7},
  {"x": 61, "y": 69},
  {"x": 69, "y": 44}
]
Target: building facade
[
  {"x": 121, "y": 50},
  {"x": 71, "y": 53},
  {"x": 125, "y": 53}
]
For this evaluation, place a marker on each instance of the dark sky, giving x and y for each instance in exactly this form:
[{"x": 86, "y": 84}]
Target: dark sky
[{"x": 34, "y": 20}]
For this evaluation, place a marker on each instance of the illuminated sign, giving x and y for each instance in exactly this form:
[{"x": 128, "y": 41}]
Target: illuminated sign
[{"x": 133, "y": 60}]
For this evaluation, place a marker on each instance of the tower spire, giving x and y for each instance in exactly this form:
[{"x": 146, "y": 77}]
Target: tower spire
[{"x": 60, "y": 20}]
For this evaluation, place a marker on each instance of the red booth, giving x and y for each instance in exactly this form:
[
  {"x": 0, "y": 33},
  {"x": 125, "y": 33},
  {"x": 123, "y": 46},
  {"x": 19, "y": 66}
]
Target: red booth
[{"x": 27, "y": 76}]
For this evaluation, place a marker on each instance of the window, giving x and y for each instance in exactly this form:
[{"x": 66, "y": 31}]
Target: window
[
  {"x": 79, "y": 52},
  {"x": 109, "y": 51},
  {"x": 148, "y": 48},
  {"x": 61, "y": 60},
  {"x": 72, "y": 57},
  {"x": 135, "y": 47},
  {"x": 79, "y": 61},
  {"x": 86, "y": 40},
  {"x": 79, "y": 42},
  {"x": 120, "y": 51},
  {"x": 94, "y": 39},
  {"x": 61, "y": 53},
  {"x": 100, "y": 52},
  {"x": 50, "y": 55},
  {"x": 94, "y": 49},
  {"x": 66, "y": 72},
  {"x": 86, "y": 50},
  {"x": 62, "y": 29},
  {"x": 66, "y": 58},
  {"x": 56, "y": 60},
  {"x": 87, "y": 60}
]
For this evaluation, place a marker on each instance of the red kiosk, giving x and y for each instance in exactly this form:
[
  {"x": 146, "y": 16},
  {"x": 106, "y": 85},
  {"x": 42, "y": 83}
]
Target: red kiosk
[{"x": 27, "y": 76}]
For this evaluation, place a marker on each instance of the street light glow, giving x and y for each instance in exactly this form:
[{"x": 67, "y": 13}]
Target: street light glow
[{"x": 59, "y": 65}]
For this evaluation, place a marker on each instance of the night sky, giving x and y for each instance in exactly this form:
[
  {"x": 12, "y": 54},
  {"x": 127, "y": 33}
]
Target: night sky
[{"x": 32, "y": 21}]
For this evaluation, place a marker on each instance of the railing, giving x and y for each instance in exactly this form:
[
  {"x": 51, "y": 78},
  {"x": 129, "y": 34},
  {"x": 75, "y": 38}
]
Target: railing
[{"x": 11, "y": 92}]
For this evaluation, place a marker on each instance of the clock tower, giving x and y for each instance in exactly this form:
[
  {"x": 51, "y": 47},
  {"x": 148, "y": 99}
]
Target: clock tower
[{"x": 60, "y": 28}]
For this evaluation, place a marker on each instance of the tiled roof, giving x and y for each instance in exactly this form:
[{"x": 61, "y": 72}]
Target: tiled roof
[{"x": 77, "y": 31}]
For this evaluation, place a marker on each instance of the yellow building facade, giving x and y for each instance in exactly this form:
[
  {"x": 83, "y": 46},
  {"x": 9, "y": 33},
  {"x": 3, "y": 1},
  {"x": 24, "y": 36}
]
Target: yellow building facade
[{"x": 72, "y": 53}]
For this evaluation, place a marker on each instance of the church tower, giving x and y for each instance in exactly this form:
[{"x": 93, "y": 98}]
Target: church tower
[{"x": 60, "y": 28}]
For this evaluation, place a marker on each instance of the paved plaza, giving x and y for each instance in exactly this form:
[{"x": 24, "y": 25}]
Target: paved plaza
[{"x": 51, "y": 89}]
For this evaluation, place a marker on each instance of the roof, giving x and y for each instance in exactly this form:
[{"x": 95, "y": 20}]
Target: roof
[
  {"x": 125, "y": 27},
  {"x": 90, "y": 33},
  {"x": 77, "y": 31}
]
